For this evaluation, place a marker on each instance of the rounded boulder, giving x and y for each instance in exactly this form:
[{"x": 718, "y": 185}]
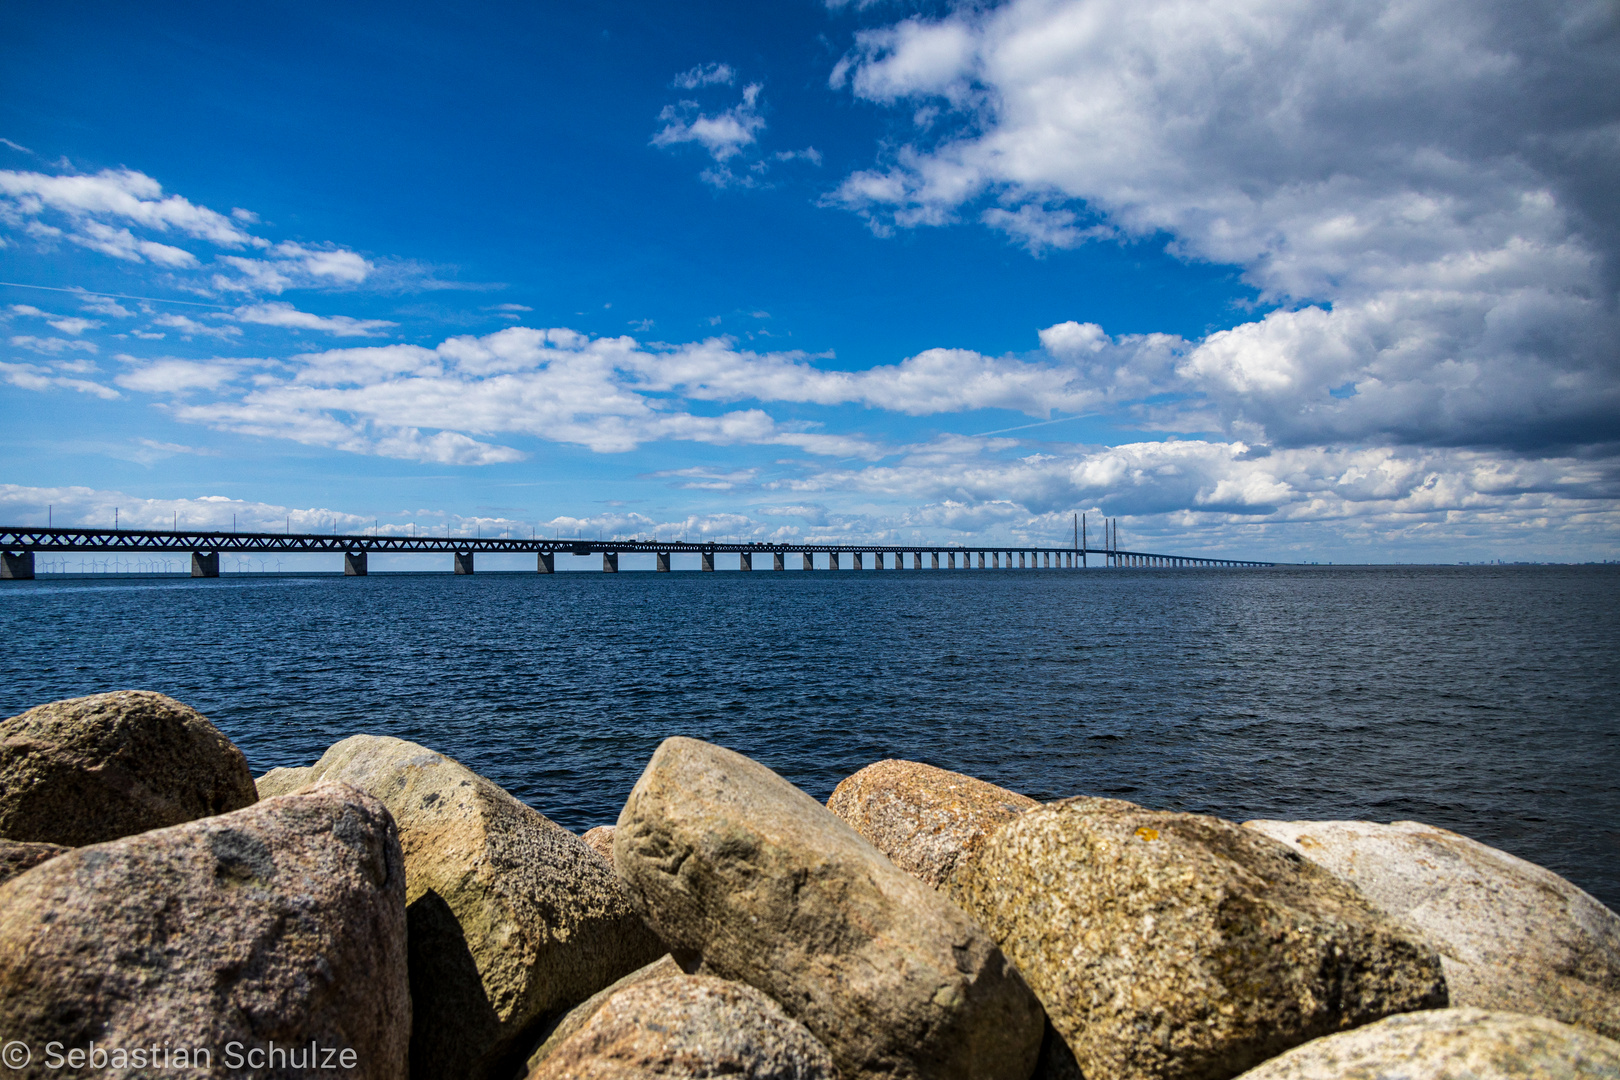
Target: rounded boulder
[
  {"x": 1171, "y": 946},
  {"x": 282, "y": 922},
  {"x": 1451, "y": 1044},
  {"x": 688, "y": 1026},
  {"x": 924, "y": 818},
  {"x": 1512, "y": 935},
  {"x": 91, "y": 769}
]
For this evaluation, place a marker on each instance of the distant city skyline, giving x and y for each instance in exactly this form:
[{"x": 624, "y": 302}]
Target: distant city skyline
[{"x": 1288, "y": 281}]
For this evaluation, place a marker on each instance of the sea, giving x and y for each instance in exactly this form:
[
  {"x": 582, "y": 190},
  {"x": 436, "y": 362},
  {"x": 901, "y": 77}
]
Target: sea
[{"x": 1482, "y": 699}]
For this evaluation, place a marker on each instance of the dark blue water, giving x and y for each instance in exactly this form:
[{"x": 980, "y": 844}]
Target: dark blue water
[{"x": 1480, "y": 699}]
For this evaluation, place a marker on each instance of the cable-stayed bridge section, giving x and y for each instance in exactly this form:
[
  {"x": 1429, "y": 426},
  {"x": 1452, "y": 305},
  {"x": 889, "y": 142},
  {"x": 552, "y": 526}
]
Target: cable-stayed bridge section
[{"x": 18, "y": 547}]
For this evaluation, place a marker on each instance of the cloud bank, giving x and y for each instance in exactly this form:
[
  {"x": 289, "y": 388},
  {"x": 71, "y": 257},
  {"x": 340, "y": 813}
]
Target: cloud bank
[{"x": 1418, "y": 187}]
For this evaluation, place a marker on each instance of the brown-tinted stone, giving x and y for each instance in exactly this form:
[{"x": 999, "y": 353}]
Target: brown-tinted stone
[
  {"x": 1512, "y": 935},
  {"x": 283, "y": 921},
  {"x": 512, "y": 917},
  {"x": 18, "y": 855},
  {"x": 1451, "y": 1044},
  {"x": 601, "y": 841},
  {"x": 1181, "y": 947},
  {"x": 565, "y": 1025},
  {"x": 745, "y": 874},
  {"x": 924, "y": 818},
  {"x": 687, "y": 1026},
  {"x": 96, "y": 768},
  {"x": 284, "y": 781}
]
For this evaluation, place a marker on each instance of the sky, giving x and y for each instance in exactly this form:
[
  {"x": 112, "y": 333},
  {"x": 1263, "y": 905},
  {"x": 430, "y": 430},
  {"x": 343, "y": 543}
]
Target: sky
[{"x": 1303, "y": 280}]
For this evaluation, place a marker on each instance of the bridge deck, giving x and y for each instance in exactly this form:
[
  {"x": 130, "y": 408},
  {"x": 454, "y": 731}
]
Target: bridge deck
[{"x": 209, "y": 544}]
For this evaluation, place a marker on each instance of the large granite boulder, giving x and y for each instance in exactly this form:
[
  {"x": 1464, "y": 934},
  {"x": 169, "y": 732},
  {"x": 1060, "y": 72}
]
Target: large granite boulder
[
  {"x": 1512, "y": 935},
  {"x": 924, "y": 818},
  {"x": 19, "y": 855},
  {"x": 688, "y": 1026},
  {"x": 512, "y": 917},
  {"x": 749, "y": 877},
  {"x": 283, "y": 922},
  {"x": 1451, "y": 1044},
  {"x": 1175, "y": 946},
  {"x": 96, "y": 768}
]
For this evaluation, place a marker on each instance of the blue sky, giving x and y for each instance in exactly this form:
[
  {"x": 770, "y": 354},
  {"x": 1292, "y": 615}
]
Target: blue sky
[{"x": 1290, "y": 280}]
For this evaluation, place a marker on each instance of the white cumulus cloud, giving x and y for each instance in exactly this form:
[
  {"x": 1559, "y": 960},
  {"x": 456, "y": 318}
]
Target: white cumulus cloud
[{"x": 1417, "y": 186}]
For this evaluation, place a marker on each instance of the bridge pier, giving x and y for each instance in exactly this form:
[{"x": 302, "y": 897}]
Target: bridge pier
[
  {"x": 610, "y": 562},
  {"x": 545, "y": 562},
  {"x": 832, "y": 560},
  {"x": 1021, "y": 565},
  {"x": 877, "y": 559},
  {"x": 464, "y": 562},
  {"x": 18, "y": 566},
  {"x": 745, "y": 560},
  {"x": 708, "y": 561},
  {"x": 916, "y": 560},
  {"x": 778, "y": 561},
  {"x": 205, "y": 564},
  {"x": 935, "y": 554},
  {"x": 354, "y": 564},
  {"x": 809, "y": 561},
  {"x": 950, "y": 560}
]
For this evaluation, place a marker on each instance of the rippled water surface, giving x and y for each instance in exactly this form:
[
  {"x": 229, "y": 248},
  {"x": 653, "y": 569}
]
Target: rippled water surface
[{"x": 1481, "y": 699}]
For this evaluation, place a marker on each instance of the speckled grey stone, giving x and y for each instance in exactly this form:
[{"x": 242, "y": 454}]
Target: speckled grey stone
[
  {"x": 283, "y": 921},
  {"x": 1451, "y": 1044}
]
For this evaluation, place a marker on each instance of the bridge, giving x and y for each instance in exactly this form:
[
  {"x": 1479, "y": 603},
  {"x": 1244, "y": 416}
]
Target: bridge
[{"x": 19, "y": 545}]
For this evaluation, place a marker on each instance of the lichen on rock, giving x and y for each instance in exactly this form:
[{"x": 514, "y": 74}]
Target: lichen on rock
[{"x": 1171, "y": 946}]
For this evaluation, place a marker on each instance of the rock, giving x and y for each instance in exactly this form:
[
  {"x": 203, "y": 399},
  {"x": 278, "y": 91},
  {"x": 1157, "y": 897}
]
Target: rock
[
  {"x": 284, "y": 781},
  {"x": 1451, "y": 1044},
  {"x": 282, "y": 922},
  {"x": 18, "y": 855},
  {"x": 925, "y": 819},
  {"x": 745, "y": 874},
  {"x": 601, "y": 841},
  {"x": 512, "y": 917},
  {"x": 564, "y": 1026},
  {"x": 1176, "y": 946},
  {"x": 1511, "y": 935},
  {"x": 96, "y": 768},
  {"x": 688, "y": 1026}
]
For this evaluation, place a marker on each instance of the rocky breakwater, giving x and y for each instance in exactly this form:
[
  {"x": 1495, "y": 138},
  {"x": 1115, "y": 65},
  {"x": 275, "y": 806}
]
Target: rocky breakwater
[
  {"x": 1166, "y": 945},
  {"x": 386, "y": 913},
  {"x": 748, "y": 878},
  {"x": 512, "y": 917}
]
